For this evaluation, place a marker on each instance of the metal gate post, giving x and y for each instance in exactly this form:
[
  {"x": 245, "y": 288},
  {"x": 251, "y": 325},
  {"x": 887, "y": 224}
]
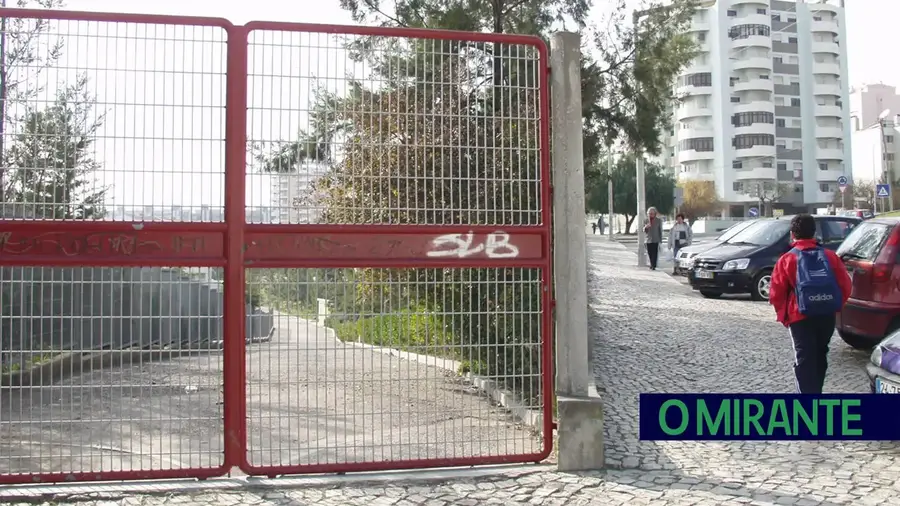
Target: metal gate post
[
  {"x": 235, "y": 219},
  {"x": 580, "y": 409}
]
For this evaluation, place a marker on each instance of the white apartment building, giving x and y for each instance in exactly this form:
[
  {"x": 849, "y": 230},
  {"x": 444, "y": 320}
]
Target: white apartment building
[
  {"x": 868, "y": 101},
  {"x": 290, "y": 196},
  {"x": 764, "y": 103},
  {"x": 875, "y": 150}
]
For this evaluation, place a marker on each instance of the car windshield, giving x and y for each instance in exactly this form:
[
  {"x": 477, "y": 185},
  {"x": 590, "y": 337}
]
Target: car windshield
[
  {"x": 762, "y": 233},
  {"x": 733, "y": 230},
  {"x": 865, "y": 241}
]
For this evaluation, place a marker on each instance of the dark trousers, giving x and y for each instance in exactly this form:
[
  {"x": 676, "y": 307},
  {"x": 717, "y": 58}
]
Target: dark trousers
[
  {"x": 811, "y": 338},
  {"x": 653, "y": 253}
]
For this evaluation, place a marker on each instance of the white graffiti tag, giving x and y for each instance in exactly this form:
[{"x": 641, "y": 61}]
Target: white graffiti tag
[{"x": 496, "y": 245}]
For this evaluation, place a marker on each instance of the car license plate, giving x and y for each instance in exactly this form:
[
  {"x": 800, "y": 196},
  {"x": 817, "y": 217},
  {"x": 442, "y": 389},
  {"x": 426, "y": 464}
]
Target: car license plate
[
  {"x": 701, "y": 274},
  {"x": 883, "y": 386}
]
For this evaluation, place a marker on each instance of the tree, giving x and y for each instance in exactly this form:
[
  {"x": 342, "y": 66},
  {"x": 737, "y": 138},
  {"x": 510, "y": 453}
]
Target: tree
[
  {"x": 27, "y": 51},
  {"x": 700, "y": 199},
  {"x": 660, "y": 190},
  {"x": 767, "y": 193},
  {"x": 50, "y": 163}
]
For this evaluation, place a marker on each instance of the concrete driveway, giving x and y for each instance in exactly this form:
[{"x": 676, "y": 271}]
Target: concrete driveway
[{"x": 310, "y": 400}]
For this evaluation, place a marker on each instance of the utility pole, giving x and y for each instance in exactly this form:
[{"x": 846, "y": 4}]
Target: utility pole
[
  {"x": 762, "y": 202},
  {"x": 609, "y": 196}
]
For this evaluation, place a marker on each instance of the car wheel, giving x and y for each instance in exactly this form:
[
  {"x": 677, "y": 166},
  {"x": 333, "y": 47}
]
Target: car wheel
[
  {"x": 710, "y": 295},
  {"x": 856, "y": 341},
  {"x": 761, "y": 284}
]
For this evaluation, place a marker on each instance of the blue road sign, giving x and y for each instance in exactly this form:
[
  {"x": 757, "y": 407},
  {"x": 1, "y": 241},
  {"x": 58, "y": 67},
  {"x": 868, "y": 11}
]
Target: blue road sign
[
  {"x": 842, "y": 181},
  {"x": 883, "y": 191},
  {"x": 753, "y": 212}
]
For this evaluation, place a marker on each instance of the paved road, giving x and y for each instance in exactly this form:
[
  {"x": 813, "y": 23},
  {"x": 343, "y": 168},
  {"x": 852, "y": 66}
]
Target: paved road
[
  {"x": 310, "y": 400},
  {"x": 651, "y": 334}
]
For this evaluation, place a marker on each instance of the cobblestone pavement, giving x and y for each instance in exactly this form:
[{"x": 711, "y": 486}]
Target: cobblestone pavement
[{"x": 651, "y": 334}]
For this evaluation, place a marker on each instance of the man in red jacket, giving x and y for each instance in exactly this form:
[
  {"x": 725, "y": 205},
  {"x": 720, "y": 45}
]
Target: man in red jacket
[{"x": 811, "y": 335}]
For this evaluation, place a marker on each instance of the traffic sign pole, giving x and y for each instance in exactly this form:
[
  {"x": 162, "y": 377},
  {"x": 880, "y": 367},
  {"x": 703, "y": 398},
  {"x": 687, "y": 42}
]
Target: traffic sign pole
[{"x": 842, "y": 185}]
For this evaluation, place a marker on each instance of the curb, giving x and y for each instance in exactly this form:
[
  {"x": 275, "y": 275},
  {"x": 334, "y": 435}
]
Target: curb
[{"x": 505, "y": 398}]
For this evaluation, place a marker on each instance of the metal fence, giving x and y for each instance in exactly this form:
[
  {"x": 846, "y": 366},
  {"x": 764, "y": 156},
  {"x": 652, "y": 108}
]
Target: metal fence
[{"x": 182, "y": 194}]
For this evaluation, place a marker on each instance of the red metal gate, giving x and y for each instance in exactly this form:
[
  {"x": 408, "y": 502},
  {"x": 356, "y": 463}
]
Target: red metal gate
[{"x": 286, "y": 248}]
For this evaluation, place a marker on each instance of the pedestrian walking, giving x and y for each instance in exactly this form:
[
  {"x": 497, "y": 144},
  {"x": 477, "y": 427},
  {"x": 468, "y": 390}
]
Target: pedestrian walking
[
  {"x": 600, "y": 224},
  {"x": 809, "y": 286},
  {"x": 654, "y": 231},
  {"x": 680, "y": 236},
  {"x": 594, "y": 227}
]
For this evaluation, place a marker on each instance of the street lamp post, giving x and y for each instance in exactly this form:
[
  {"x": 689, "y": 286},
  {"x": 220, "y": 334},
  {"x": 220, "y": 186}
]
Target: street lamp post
[
  {"x": 2, "y": 104},
  {"x": 639, "y": 151}
]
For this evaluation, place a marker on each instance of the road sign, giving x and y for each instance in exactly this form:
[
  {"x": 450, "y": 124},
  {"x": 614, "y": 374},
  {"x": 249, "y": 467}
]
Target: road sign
[
  {"x": 753, "y": 212},
  {"x": 842, "y": 183},
  {"x": 883, "y": 191},
  {"x": 778, "y": 213}
]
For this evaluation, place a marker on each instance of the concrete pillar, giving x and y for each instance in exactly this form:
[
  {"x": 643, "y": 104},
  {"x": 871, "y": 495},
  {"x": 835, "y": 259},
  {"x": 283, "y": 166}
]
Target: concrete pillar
[{"x": 580, "y": 409}]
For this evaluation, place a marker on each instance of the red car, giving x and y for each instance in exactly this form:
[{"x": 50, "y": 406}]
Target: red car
[{"x": 872, "y": 255}]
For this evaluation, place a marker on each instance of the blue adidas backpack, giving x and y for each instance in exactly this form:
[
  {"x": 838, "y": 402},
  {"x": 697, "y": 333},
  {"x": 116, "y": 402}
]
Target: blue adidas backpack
[{"x": 817, "y": 289}]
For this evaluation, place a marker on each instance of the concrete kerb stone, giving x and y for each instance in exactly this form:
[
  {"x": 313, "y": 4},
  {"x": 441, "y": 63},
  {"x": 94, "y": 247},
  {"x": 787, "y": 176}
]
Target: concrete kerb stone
[{"x": 519, "y": 410}]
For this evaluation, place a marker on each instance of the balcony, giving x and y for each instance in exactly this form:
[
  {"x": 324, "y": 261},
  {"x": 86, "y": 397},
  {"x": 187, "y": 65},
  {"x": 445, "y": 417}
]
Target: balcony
[
  {"x": 832, "y": 89},
  {"x": 826, "y": 47},
  {"x": 829, "y": 175},
  {"x": 755, "y": 106},
  {"x": 692, "y": 111},
  {"x": 753, "y": 41},
  {"x": 756, "y": 173},
  {"x": 831, "y": 111},
  {"x": 754, "y": 85},
  {"x": 690, "y": 155},
  {"x": 755, "y": 128},
  {"x": 755, "y": 152},
  {"x": 830, "y": 68},
  {"x": 753, "y": 62},
  {"x": 751, "y": 19},
  {"x": 690, "y": 90},
  {"x": 694, "y": 133},
  {"x": 829, "y": 153},
  {"x": 699, "y": 26},
  {"x": 696, "y": 175},
  {"x": 826, "y": 25},
  {"x": 829, "y": 132}
]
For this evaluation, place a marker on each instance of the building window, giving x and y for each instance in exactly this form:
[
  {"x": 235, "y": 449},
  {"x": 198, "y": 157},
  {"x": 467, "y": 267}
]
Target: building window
[
  {"x": 776, "y": 59},
  {"x": 764, "y": 76},
  {"x": 761, "y": 11},
  {"x": 817, "y": 18},
  {"x": 699, "y": 79},
  {"x": 823, "y": 166},
  {"x": 795, "y": 102},
  {"x": 889, "y": 157},
  {"x": 798, "y": 188},
  {"x": 737, "y": 186},
  {"x": 767, "y": 164},
  {"x": 735, "y": 100},
  {"x": 749, "y": 118},
  {"x": 737, "y": 164},
  {"x": 701, "y": 36},
  {"x": 732, "y": 13},
  {"x": 744, "y": 31},
  {"x": 888, "y": 139},
  {"x": 698, "y": 144},
  {"x": 824, "y": 187},
  {"x": 776, "y": 17},
  {"x": 779, "y": 122},
  {"x": 746, "y": 141},
  {"x": 792, "y": 40},
  {"x": 792, "y": 19},
  {"x": 782, "y": 166}
]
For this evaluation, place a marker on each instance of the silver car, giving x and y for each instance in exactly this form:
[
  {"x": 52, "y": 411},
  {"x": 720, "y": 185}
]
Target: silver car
[{"x": 685, "y": 260}]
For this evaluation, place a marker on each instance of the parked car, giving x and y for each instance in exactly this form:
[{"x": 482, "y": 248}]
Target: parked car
[
  {"x": 744, "y": 263},
  {"x": 863, "y": 214},
  {"x": 871, "y": 254},
  {"x": 884, "y": 366},
  {"x": 687, "y": 254}
]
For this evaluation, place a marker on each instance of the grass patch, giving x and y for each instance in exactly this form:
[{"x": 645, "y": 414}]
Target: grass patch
[{"x": 35, "y": 360}]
